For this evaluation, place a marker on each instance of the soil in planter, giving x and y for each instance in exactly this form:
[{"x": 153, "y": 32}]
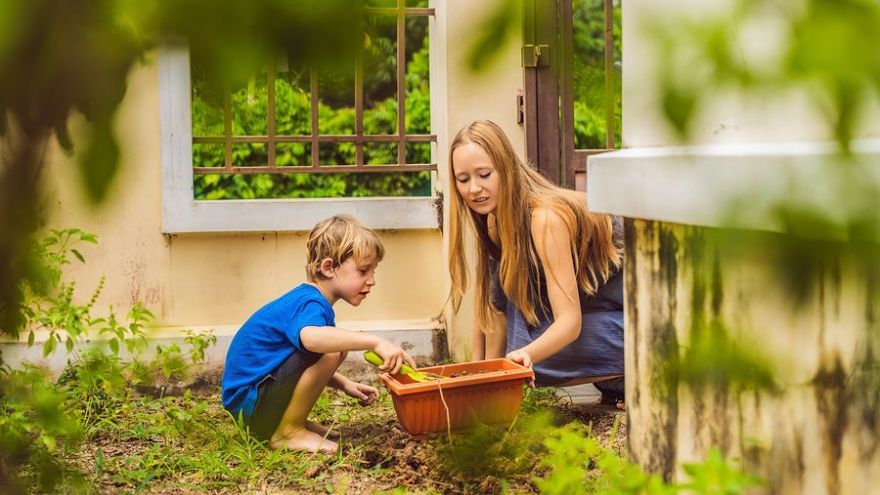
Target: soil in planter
[{"x": 468, "y": 373}]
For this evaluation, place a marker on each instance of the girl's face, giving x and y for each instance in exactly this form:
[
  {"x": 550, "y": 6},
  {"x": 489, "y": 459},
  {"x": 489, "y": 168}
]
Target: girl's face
[{"x": 476, "y": 179}]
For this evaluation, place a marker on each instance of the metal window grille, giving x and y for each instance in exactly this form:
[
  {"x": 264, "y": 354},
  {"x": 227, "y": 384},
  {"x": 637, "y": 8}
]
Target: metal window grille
[{"x": 401, "y": 11}]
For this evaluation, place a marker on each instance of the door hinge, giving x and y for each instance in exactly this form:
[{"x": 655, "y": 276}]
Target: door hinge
[
  {"x": 520, "y": 106},
  {"x": 535, "y": 55}
]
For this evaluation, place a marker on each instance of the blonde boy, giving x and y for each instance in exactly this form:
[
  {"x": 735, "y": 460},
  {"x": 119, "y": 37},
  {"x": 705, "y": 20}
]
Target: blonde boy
[{"x": 288, "y": 351}]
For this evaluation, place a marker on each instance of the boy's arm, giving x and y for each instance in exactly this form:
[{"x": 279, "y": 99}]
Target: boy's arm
[
  {"x": 331, "y": 339},
  {"x": 365, "y": 394}
]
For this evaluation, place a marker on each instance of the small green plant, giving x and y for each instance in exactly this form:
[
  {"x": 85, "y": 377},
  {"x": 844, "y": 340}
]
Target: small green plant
[
  {"x": 198, "y": 343},
  {"x": 132, "y": 336},
  {"x": 48, "y": 301},
  {"x": 37, "y": 433},
  {"x": 569, "y": 451},
  {"x": 578, "y": 463},
  {"x": 715, "y": 476},
  {"x": 42, "y": 420}
]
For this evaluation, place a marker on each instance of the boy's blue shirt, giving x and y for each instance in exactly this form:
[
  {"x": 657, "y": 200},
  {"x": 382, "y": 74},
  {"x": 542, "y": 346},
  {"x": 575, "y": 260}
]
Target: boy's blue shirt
[{"x": 266, "y": 340}]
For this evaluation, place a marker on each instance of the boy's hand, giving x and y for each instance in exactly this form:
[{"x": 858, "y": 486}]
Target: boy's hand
[
  {"x": 393, "y": 355},
  {"x": 364, "y": 393}
]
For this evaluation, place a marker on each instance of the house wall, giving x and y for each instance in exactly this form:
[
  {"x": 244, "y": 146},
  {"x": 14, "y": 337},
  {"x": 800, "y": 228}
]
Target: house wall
[
  {"x": 816, "y": 430},
  {"x": 487, "y": 94},
  {"x": 215, "y": 281}
]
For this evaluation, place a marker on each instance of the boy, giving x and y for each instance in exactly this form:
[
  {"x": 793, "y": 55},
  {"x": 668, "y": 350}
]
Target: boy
[{"x": 288, "y": 351}]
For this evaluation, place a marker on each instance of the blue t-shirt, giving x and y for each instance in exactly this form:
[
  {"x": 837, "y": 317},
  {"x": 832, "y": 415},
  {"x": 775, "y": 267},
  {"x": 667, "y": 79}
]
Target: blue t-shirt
[{"x": 266, "y": 340}]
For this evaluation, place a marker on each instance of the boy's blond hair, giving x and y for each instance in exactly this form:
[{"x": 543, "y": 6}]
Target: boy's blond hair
[{"x": 339, "y": 238}]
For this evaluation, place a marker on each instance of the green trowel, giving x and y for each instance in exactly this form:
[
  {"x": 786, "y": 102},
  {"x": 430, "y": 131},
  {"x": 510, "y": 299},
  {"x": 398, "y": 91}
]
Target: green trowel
[{"x": 417, "y": 376}]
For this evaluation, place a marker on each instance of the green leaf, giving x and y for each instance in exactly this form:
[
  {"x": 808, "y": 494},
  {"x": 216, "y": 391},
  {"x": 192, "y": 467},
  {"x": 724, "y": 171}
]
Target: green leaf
[
  {"x": 114, "y": 345},
  {"x": 100, "y": 161},
  {"x": 78, "y": 255},
  {"x": 30, "y": 338},
  {"x": 49, "y": 442},
  {"x": 50, "y": 345}
]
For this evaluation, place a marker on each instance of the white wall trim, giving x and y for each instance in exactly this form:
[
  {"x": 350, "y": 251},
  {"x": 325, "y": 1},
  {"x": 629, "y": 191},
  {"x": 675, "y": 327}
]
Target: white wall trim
[
  {"x": 732, "y": 186},
  {"x": 182, "y": 214},
  {"x": 417, "y": 337},
  {"x": 177, "y": 331}
]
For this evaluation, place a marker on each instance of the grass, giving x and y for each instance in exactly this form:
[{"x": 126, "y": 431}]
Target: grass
[{"x": 189, "y": 444}]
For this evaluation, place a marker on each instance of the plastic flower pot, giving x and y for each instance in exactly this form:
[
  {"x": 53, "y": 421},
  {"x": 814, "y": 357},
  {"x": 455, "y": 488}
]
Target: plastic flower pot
[{"x": 487, "y": 392}]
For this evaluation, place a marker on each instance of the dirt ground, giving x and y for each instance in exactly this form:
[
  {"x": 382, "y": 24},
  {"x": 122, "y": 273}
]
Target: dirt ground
[{"x": 201, "y": 454}]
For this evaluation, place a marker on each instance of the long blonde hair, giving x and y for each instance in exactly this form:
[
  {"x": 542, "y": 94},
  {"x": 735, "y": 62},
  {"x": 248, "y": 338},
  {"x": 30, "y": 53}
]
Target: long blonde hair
[{"x": 521, "y": 190}]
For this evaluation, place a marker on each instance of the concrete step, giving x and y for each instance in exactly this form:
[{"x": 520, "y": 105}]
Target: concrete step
[{"x": 580, "y": 395}]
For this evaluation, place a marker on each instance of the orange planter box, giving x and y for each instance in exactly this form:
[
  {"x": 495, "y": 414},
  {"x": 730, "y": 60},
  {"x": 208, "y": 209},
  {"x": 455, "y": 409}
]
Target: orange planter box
[{"x": 488, "y": 392}]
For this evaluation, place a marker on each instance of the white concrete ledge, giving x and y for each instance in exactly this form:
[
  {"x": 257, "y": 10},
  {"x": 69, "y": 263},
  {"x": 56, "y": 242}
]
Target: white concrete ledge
[
  {"x": 291, "y": 215},
  {"x": 732, "y": 186},
  {"x": 419, "y": 337}
]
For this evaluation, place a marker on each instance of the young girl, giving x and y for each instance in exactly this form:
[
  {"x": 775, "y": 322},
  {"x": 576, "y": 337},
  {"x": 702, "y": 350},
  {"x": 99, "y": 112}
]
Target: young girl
[{"x": 549, "y": 287}]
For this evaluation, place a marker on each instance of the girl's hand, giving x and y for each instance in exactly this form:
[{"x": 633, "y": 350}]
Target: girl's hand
[
  {"x": 365, "y": 394},
  {"x": 522, "y": 357}
]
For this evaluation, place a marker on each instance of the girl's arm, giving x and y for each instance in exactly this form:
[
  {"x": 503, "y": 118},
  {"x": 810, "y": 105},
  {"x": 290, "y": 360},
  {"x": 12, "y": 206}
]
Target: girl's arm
[
  {"x": 496, "y": 340},
  {"x": 490, "y": 345},
  {"x": 493, "y": 344},
  {"x": 478, "y": 343},
  {"x": 553, "y": 244}
]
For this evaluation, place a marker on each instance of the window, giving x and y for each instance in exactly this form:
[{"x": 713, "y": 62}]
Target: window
[
  {"x": 571, "y": 58},
  {"x": 594, "y": 123},
  {"x": 295, "y": 145}
]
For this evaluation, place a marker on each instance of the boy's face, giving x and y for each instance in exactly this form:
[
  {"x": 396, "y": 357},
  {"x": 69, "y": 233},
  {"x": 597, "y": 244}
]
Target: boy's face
[{"x": 354, "y": 279}]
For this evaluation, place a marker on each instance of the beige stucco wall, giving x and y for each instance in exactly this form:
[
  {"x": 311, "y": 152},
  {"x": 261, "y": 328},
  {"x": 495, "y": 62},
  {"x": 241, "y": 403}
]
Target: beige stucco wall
[
  {"x": 488, "y": 94},
  {"x": 212, "y": 279},
  {"x": 220, "y": 279}
]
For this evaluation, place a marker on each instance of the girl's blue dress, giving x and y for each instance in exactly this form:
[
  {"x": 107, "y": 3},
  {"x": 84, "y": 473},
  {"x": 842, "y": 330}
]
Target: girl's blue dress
[{"x": 598, "y": 351}]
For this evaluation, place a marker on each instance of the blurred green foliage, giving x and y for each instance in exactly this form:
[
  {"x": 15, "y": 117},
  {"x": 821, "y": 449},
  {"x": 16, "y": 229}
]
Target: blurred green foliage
[
  {"x": 336, "y": 116},
  {"x": 827, "y": 48},
  {"x": 563, "y": 457},
  {"x": 590, "y": 98}
]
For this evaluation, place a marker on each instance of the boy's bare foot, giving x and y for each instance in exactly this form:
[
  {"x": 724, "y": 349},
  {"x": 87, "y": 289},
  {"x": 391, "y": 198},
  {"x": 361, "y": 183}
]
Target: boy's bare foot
[
  {"x": 304, "y": 439},
  {"x": 320, "y": 430}
]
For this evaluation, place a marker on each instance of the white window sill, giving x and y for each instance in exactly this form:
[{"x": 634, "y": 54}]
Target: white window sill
[
  {"x": 280, "y": 215},
  {"x": 727, "y": 186}
]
